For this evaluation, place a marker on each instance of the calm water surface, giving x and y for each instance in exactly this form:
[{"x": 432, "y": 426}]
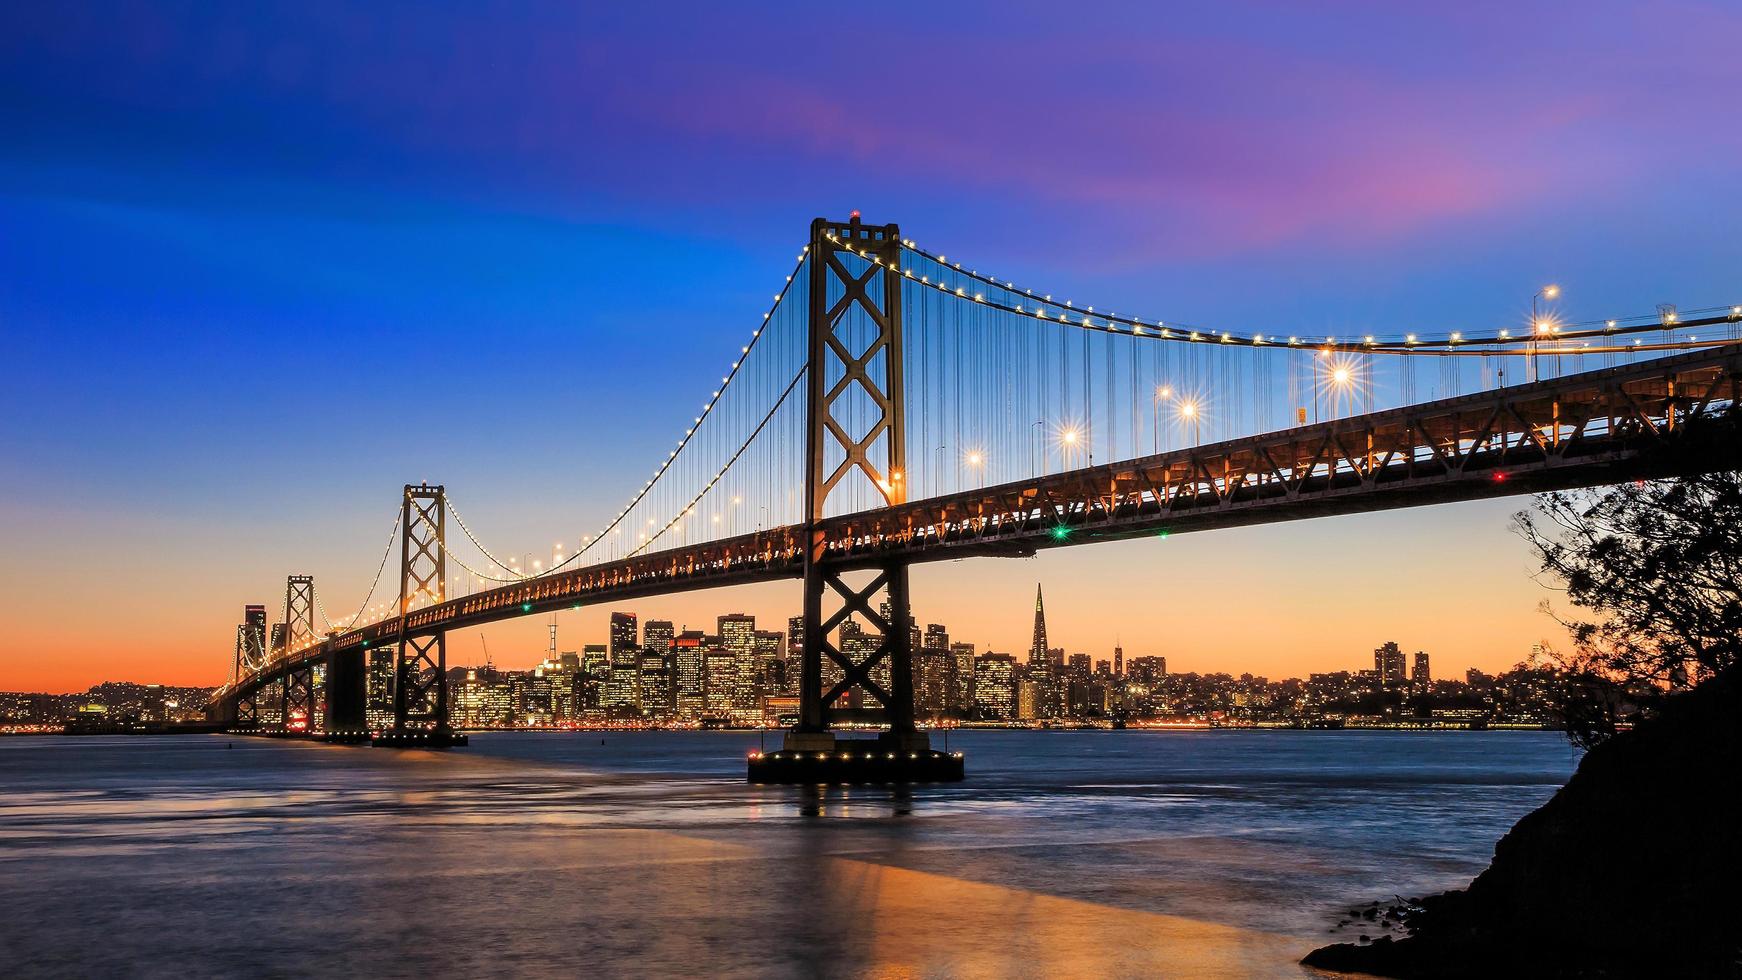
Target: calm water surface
[{"x": 1065, "y": 854}]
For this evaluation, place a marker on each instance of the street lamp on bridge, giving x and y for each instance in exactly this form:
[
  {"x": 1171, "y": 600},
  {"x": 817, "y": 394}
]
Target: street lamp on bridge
[
  {"x": 1539, "y": 325},
  {"x": 1188, "y": 411}
]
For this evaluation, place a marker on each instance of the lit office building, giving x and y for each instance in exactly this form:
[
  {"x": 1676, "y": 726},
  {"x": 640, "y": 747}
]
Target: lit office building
[
  {"x": 932, "y": 667},
  {"x": 378, "y": 710},
  {"x": 1147, "y": 671},
  {"x": 469, "y": 701},
  {"x": 737, "y": 631},
  {"x": 625, "y": 643},
  {"x": 656, "y": 692},
  {"x": 657, "y": 636},
  {"x": 995, "y": 685},
  {"x": 794, "y": 654},
  {"x": 622, "y": 696},
  {"x": 689, "y": 691},
  {"x": 719, "y": 680},
  {"x": 961, "y": 678},
  {"x": 770, "y": 664},
  {"x": 1388, "y": 664}
]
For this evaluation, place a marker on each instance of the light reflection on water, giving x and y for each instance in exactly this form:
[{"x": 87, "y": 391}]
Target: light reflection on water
[{"x": 1114, "y": 853}]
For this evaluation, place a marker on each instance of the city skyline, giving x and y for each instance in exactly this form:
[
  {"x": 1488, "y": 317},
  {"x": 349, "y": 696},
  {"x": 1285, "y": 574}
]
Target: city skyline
[{"x": 1429, "y": 610}]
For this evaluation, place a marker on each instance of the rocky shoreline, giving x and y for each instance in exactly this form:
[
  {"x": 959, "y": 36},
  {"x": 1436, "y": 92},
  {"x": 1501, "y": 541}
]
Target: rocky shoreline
[{"x": 1634, "y": 868}]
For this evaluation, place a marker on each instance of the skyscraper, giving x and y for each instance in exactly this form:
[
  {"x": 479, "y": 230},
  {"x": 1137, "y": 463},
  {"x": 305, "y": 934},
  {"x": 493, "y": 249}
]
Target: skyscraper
[
  {"x": 995, "y": 685},
  {"x": 961, "y": 678},
  {"x": 794, "y": 654},
  {"x": 655, "y": 680},
  {"x": 931, "y": 681},
  {"x": 688, "y": 648},
  {"x": 737, "y": 631},
  {"x": 1037, "y": 649},
  {"x": 719, "y": 679},
  {"x": 625, "y": 644},
  {"x": 1422, "y": 675},
  {"x": 1388, "y": 663},
  {"x": 770, "y": 668},
  {"x": 378, "y": 709},
  {"x": 657, "y": 636},
  {"x": 1118, "y": 660}
]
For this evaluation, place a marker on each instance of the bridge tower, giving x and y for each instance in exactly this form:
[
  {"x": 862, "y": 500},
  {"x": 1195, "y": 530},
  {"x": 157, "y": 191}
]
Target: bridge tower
[
  {"x": 299, "y": 611},
  {"x": 243, "y": 659},
  {"x": 855, "y": 358},
  {"x": 296, "y": 692},
  {"x": 420, "y": 678}
]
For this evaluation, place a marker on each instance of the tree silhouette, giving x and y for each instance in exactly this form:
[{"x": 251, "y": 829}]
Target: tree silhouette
[{"x": 1656, "y": 570}]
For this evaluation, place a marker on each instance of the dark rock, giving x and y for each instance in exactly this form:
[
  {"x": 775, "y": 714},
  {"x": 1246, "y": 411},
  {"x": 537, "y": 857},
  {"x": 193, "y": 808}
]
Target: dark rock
[{"x": 1632, "y": 869}]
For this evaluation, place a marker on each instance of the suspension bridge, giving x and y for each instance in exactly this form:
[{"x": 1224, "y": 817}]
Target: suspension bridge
[{"x": 892, "y": 407}]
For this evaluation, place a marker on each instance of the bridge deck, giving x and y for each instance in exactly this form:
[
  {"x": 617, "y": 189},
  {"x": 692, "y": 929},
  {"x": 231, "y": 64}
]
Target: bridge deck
[{"x": 1586, "y": 429}]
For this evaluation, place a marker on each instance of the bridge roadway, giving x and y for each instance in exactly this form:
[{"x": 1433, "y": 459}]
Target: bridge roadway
[{"x": 1649, "y": 419}]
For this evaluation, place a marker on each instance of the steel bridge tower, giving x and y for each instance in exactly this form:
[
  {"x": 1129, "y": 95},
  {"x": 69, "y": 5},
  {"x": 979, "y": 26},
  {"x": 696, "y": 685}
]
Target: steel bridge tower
[
  {"x": 420, "y": 676},
  {"x": 854, "y": 356},
  {"x": 297, "y": 689}
]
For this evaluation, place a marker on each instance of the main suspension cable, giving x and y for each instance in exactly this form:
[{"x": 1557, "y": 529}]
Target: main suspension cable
[
  {"x": 589, "y": 541},
  {"x": 1044, "y": 307}
]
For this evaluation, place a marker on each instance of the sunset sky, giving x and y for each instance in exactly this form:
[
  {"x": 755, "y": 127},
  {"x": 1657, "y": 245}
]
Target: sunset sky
[{"x": 261, "y": 264}]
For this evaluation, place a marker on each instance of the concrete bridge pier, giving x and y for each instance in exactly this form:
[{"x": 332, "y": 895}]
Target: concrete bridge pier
[{"x": 347, "y": 697}]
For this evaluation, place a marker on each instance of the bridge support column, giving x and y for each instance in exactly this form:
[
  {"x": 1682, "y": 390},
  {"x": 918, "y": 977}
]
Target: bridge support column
[
  {"x": 855, "y": 292},
  {"x": 347, "y": 716},
  {"x": 244, "y": 713},
  {"x": 298, "y": 701},
  {"x": 420, "y": 676}
]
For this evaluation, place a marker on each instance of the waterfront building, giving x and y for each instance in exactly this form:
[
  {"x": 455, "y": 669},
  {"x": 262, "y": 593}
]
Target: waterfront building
[
  {"x": 533, "y": 697},
  {"x": 498, "y": 697},
  {"x": 467, "y": 701}
]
